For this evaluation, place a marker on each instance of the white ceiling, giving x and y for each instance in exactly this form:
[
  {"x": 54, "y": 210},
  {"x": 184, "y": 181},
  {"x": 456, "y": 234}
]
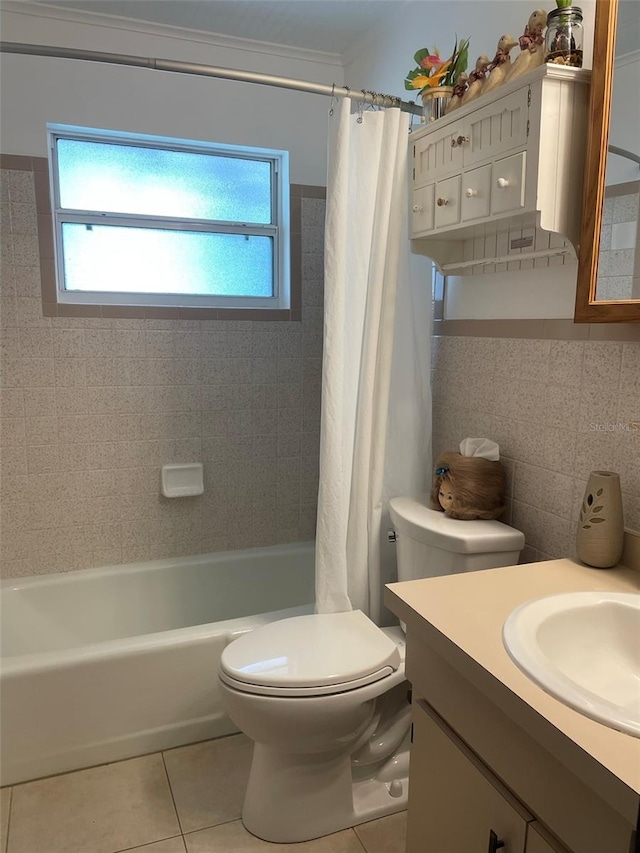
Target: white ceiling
[
  {"x": 325, "y": 25},
  {"x": 330, "y": 26}
]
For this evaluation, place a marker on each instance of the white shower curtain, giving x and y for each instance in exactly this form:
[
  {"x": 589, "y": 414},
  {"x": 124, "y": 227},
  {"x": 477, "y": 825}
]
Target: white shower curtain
[{"x": 374, "y": 438}]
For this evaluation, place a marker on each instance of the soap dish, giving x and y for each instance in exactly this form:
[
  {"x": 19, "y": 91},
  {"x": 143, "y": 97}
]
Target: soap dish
[{"x": 182, "y": 481}]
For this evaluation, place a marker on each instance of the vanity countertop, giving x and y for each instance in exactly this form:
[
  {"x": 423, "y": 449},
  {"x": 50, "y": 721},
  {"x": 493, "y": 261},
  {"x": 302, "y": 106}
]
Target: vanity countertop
[{"x": 469, "y": 610}]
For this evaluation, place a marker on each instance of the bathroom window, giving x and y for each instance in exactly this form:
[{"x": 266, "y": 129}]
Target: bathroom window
[{"x": 144, "y": 220}]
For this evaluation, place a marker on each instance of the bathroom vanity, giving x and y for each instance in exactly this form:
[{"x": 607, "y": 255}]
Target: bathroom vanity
[{"x": 496, "y": 762}]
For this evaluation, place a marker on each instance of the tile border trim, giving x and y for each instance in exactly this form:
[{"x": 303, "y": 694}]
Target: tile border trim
[
  {"x": 617, "y": 190},
  {"x": 562, "y": 330},
  {"x": 631, "y": 554}
]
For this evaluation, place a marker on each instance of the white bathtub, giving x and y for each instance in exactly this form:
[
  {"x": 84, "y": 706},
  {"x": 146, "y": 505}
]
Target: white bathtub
[{"x": 108, "y": 663}]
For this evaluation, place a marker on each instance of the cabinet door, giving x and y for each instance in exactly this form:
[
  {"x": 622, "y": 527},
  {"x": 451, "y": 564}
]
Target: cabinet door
[
  {"x": 447, "y": 208},
  {"x": 540, "y": 841},
  {"x": 454, "y": 803},
  {"x": 437, "y": 153},
  {"x": 497, "y": 128},
  {"x": 507, "y": 184},
  {"x": 422, "y": 210},
  {"x": 476, "y": 193}
]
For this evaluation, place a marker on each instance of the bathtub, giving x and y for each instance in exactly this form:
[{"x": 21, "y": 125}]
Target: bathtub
[{"x": 104, "y": 664}]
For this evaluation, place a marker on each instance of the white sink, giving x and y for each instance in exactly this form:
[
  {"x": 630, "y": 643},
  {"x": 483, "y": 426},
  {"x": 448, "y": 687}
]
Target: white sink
[{"x": 584, "y": 649}]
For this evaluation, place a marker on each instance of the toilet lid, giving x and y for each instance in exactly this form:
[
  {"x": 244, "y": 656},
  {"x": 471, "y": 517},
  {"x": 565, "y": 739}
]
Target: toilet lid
[{"x": 312, "y": 651}]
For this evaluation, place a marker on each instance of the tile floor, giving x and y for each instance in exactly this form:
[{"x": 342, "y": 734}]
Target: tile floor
[{"x": 184, "y": 800}]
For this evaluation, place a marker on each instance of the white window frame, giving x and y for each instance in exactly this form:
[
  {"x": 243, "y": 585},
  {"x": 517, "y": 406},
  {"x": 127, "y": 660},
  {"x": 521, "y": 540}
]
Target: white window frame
[{"x": 279, "y": 229}]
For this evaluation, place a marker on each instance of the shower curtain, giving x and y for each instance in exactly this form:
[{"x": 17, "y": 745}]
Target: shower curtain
[{"x": 376, "y": 405}]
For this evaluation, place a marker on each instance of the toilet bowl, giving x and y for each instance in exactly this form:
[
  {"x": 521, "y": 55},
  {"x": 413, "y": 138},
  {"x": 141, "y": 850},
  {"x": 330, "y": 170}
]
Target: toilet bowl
[
  {"x": 324, "y": 696},
  {"x": 306, "y": 693}
]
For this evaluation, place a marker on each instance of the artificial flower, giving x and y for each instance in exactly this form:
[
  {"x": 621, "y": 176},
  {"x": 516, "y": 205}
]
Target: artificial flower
[
  {"x": 432, "y": 60},
  {"x": 432, "y": 70}
]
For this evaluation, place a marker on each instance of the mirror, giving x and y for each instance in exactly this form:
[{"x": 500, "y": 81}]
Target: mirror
[{"x": 608, "y": 288}]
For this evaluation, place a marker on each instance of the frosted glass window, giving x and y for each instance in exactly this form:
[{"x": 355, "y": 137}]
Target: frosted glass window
[
  {"x": 146, "y": 260},
  {"x": 143, "y": 220},
  {"x": 157, "y": 182}
]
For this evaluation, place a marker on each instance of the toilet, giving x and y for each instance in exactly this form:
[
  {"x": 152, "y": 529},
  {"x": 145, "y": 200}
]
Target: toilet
[{"x": 325, "y": 699}]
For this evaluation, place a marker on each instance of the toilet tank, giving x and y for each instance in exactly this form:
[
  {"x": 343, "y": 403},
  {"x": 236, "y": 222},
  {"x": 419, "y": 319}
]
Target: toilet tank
[{"x": 430, "y": 545}]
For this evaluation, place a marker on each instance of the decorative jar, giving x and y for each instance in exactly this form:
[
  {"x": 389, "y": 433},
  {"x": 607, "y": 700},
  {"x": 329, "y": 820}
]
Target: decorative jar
[
  {"x": 600, "y": 535},
  {"x": 435, "y": 101},
  {"x": 563, "y": 41}
]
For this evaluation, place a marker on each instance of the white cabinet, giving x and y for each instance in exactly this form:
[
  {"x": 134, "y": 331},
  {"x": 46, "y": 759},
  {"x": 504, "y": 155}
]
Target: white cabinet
[
  {"x": 498, "y": 127},
  {"x": 457, "y": 804},
  {"x": 454, "y": 804},
  {"x": 437, "y": 154},
  {"x": 447, "y": 202},
  {"x": 422, "y": 207},
  {"x": 511, "y": 159},
  {"x": 476, "y": 193},
  {"x": 476, "y": 769},
  {"x": 507, "y": 184}
]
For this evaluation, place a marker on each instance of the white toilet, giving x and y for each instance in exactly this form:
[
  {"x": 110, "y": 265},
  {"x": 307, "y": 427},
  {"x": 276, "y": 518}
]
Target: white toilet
[{"x": 325, "y": 699}]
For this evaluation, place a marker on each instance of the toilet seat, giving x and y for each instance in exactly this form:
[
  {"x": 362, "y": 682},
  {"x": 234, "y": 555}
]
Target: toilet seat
[
  {"x": 302, "y": 692},
  {"x": 311, "y": 655}
]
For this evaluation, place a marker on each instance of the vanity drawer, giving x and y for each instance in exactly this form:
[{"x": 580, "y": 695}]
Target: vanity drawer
[
  {"x": 422, "y": 210},
  {"x": 447, "y": 207},
  {"x": 476, "y": 193},
  {"x": 507, "y": 184}
]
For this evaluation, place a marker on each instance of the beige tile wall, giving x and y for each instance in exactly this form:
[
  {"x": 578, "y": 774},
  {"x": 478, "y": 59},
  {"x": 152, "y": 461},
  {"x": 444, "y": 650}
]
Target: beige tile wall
[
  {"x": 559, "y": 409},
  {"x": 92, "y": 407},
  {"x": 617, "y": 261}
]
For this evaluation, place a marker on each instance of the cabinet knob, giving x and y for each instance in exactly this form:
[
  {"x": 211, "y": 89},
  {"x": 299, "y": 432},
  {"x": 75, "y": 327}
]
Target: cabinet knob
[
  {"x": 470, "y": 192},
  {"x": 494, "y": 842},
  {"x": 502, "y": 183},
  {"x": 417, "y": 208},
  {"x": 441, "y": 202},
  {"x": 457, "y": 142}
]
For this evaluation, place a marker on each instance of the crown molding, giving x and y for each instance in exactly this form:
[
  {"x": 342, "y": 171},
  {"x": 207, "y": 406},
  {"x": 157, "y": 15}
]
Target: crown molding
[{"x": 112, "y": 22}]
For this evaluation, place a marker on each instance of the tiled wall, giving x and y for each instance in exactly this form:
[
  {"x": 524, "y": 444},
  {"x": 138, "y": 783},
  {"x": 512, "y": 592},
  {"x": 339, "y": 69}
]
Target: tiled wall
[
  {"x": 558, "y": 408},
  {"x": 617, "y": 263},
  {"x": 92, "y": 407}
]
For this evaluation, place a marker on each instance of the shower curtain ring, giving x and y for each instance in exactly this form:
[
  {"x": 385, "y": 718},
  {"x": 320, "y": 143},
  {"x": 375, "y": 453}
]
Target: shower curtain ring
[
  {"x": 361, "y": 106},
  {"x": 333, "y": 99}
]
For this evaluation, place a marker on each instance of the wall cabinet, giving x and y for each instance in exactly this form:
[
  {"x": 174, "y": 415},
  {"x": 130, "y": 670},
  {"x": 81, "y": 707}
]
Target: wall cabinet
[{"x": 512, "y": 158}]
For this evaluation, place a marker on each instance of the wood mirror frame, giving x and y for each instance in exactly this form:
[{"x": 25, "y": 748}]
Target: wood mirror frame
[{"x": 588, "y": 308}]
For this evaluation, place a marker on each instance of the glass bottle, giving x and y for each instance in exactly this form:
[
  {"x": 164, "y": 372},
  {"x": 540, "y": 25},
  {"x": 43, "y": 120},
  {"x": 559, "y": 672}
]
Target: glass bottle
[{"x": 563, "y": 41}]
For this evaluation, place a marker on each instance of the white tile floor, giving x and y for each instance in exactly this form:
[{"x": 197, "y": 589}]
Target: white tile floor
[{"x": 185, "y": 800}]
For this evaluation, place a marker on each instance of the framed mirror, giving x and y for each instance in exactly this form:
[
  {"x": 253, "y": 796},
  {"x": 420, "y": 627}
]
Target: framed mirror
[{"x": 608, "y": 287}]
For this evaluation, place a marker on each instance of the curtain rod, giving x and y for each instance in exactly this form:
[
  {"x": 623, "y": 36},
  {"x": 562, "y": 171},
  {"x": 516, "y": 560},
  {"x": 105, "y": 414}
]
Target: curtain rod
[
  {"x": 622, "y": 152},
  {"x": 196, "y": 68}
]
